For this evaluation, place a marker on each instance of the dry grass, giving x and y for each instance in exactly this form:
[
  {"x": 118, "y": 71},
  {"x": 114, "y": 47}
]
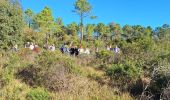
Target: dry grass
[
  {"x": 84, "y": 89},
  {"x": 81, "y": 87}
]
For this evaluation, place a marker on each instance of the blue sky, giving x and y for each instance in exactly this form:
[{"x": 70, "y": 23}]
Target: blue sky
[{"x": 133, "y": 12}]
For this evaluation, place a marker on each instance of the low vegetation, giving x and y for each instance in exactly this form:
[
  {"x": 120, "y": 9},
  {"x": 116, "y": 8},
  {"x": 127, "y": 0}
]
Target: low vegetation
[{"x": 140, "y": 71}]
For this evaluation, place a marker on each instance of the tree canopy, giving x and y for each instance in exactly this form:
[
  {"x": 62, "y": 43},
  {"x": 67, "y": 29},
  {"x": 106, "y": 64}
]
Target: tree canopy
[
  {"x": 116, "y": 61},
  {"x": 83, "y": 9},
  {"x": 11, "y": 19}
]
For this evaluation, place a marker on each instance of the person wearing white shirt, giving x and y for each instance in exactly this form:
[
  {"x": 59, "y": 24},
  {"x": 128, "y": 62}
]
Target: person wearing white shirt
[
  {"x": 81, "y": 50},
  {"x": 31, "y": 46},
  {"x": 117, "y": 49},
  {"x": 52, "y": 48},
  {"x": 87, "y": 51},
  {"x": 108, "y": 48}
]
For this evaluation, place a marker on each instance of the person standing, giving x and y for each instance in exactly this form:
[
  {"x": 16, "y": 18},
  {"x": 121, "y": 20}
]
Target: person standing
[
  {"x": 31, "y": 47},
  {"x": 117, "y": 49},
  {"x": 81, "y": 50},
  {"x": 27, "y": 45},
  {"x": 76, "y": 51},
  {"x": 67, "y": 49},
  {"x": 87, "y": 51},
  {"x": 72, "y": 50},
  {"x": 52, "y": 48},
  {"x": 117, "y": 54},
  {"x": 108, "y": 48},
  {"x": 15, "y": 48}
]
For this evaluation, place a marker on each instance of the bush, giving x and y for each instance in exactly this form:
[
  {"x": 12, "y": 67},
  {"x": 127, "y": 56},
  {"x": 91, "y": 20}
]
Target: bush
[
  {"x": 51, "y": 70},
  {"x": 103, "y": 58},
  {"x": 166, "y": 93},
  {"x": 13, "y": 91},
  {"x": 159, "y": 85},
  {"x": 9, "y": 67},
  {"x": 124, "y": 74},
  {"x": 38, "y": 94},
  {"x": 48, "y": 60},
  {"x": 55, "y": 70},
  {"x": 30, "y": 75}
]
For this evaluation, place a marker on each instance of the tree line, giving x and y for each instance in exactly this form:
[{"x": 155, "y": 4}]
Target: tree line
[
  {"x": 18, "y": 26},
  {"x": 141, "y": 69}
]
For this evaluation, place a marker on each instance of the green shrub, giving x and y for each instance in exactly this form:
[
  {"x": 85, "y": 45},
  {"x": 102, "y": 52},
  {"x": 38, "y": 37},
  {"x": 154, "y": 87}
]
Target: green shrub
[
  {"x": 38, "y": 94},
  {"x": 13, "y": 91},
  {"x": 55, "y": 69},
  {"x": 98, "y": 43},
  {"x": 48, "y": 60},
  {"x": 124, "y": 75},
  {"x": 9, "y": 68},
  {"x": 146, "y": 43},
  {"x": 105, "y": 57},
  {"x": 50, "y": 70},
  {"x": 122, "y": 71}
]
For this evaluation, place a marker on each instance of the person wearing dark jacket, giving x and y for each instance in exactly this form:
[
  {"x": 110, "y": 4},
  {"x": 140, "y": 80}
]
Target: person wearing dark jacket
[
  {"x": 76, "y": 51},
  {"x": 72, "y": 51}
]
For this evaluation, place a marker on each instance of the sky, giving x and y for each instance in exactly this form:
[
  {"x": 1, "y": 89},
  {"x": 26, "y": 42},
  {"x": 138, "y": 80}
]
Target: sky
[{"x": 133, "y": 12}]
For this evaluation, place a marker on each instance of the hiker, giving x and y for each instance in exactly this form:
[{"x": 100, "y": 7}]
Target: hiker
[
  {"x": 72, "y": 51},
  {"x": 52, "y": 47},
  {"x": 117, "y": 54},
  {"x": 117, "y": 49},
  {"x": 108, "y": 48},
  {"x": 31, "y": 47},
  {"x": 15, "y": 48},
  {"x": 36, "y": 48},
  {"x": 63, "y": 48},
  {"x": 27, "y": 45},
  {"x": 81, "y": 50},
  {"x": 87, "y": 51},
  {"x": 76, "y": 51},
  {"x": 67, "y": 49}
]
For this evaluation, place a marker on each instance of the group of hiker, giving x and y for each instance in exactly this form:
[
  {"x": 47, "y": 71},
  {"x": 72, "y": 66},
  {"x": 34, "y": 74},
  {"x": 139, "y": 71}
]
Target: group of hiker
[
  {"x": 116, "y": 49},
  {"x": 74, "y": 50},
  {"x": 31, "y": 46},
  {"x": 28, "y": 45},
  {"x": 50, "y": 47},
  {"x": 67, "y": 49}
]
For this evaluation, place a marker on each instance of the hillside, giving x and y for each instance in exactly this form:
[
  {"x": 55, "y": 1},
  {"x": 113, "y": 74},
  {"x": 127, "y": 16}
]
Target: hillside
[{"x": 43, "y": 59}]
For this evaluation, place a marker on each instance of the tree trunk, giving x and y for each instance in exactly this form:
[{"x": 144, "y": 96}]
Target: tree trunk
[
  {"x": 46, "y": 39},
  {"x": 81, "y": 26},
  {"x": 29, "y": 24}
]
